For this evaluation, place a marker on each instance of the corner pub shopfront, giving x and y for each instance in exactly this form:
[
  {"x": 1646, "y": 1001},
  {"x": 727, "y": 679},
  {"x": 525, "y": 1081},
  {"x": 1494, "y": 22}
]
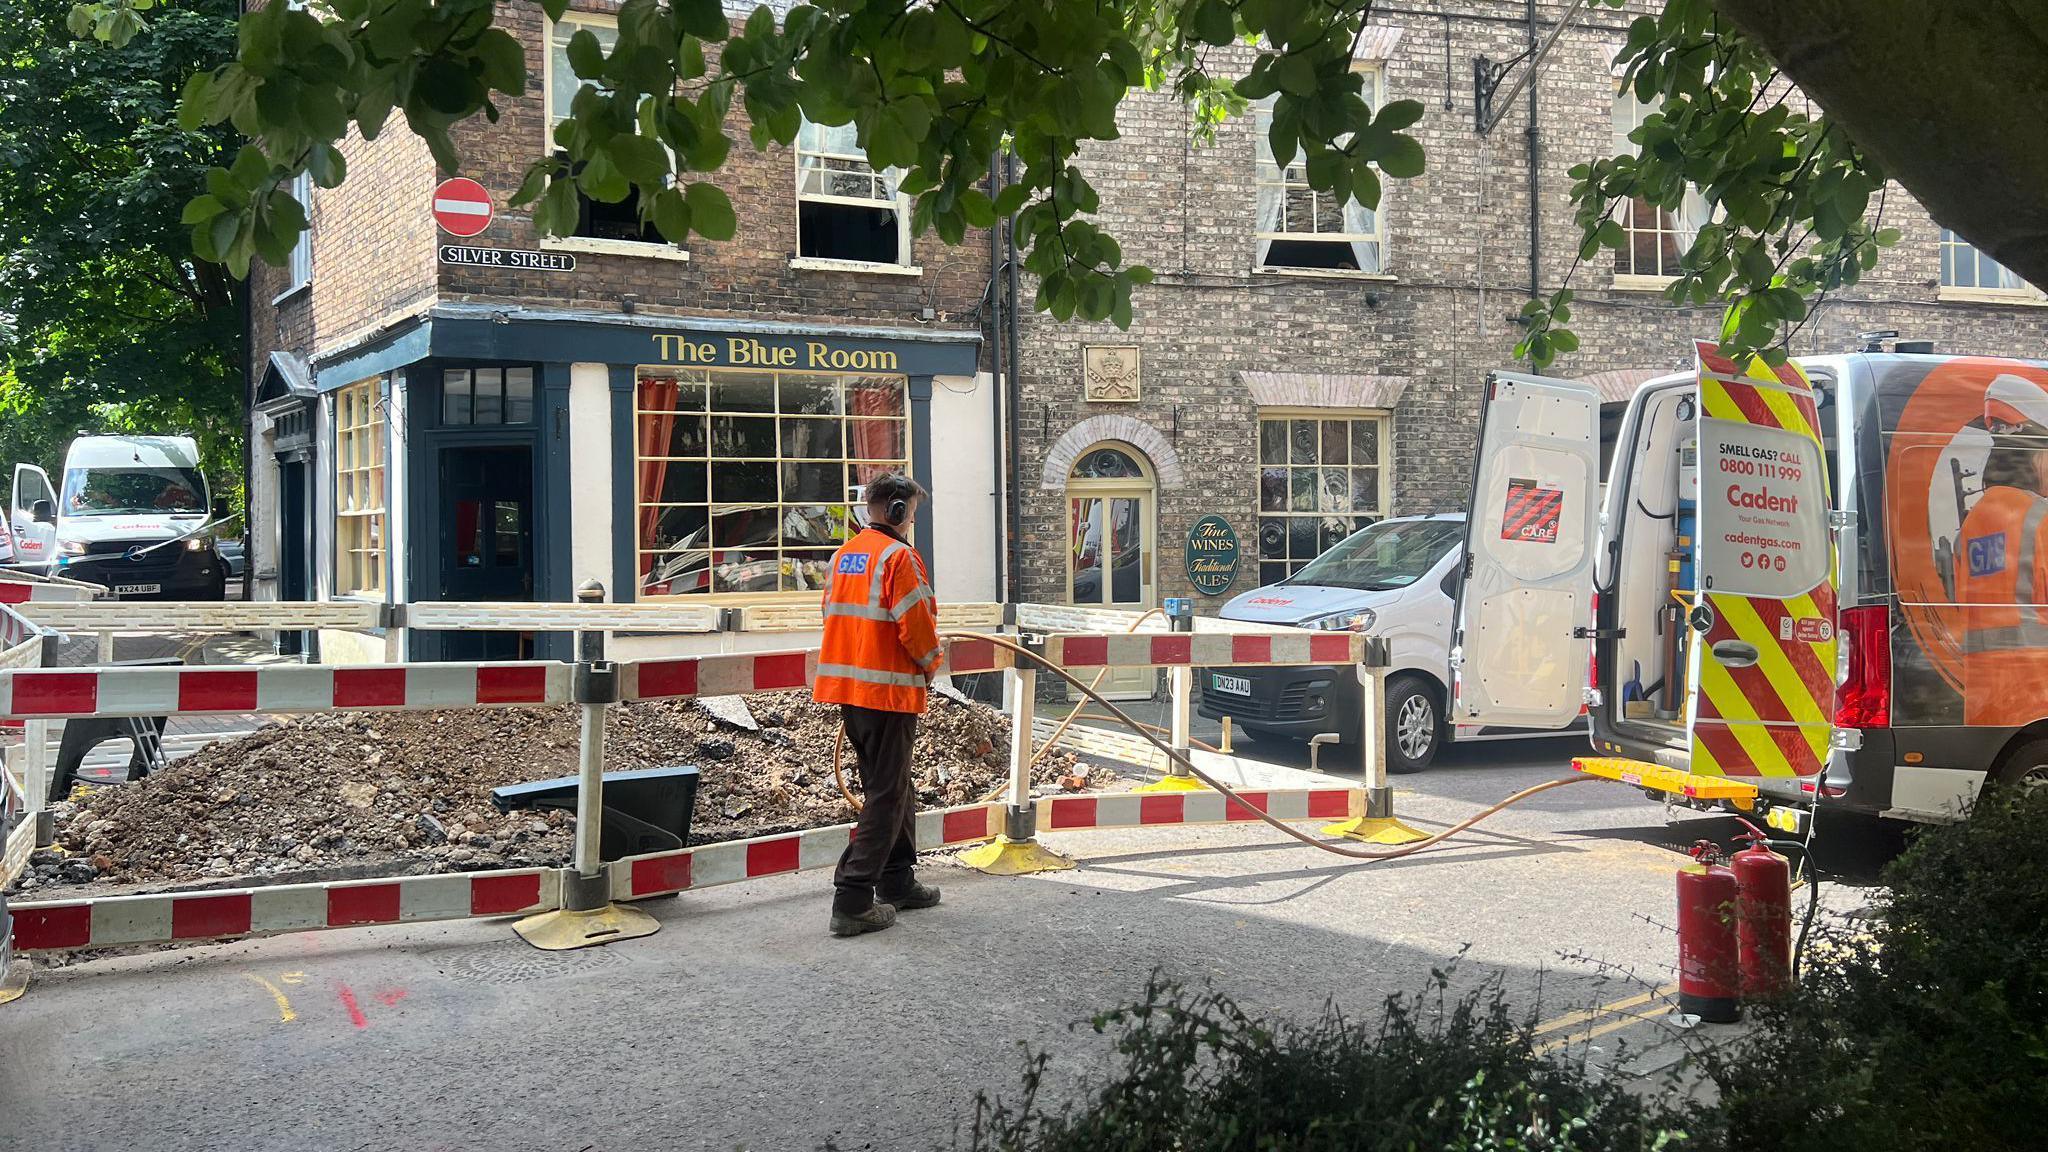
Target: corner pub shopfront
[{"x": 492, "y": 453}]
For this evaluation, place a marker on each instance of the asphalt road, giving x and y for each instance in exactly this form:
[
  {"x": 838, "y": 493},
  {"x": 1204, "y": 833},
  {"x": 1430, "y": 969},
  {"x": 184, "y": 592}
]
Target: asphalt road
[{"x": 743, "y": 1025}]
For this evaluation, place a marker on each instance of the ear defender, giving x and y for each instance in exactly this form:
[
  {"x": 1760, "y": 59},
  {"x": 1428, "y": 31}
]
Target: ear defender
[{"x": 899, "y": 510}]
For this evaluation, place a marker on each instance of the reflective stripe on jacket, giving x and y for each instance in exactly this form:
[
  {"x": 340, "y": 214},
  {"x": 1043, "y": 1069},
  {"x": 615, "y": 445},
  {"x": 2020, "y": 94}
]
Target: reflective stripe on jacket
[
  {"x": 2001, "y": 572},
  {"x": 881, "y": 641}
]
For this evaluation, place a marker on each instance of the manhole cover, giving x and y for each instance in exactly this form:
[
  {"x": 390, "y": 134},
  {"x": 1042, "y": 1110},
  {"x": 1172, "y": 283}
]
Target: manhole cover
[{"x": 518, "y": 963}]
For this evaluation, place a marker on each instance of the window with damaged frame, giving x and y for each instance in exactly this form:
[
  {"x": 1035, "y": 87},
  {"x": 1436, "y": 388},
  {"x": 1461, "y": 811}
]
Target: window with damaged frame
[
  {"x": 845, "y": 210},
  {"x": 595, "y": 219},
  {"x": 1301, "y": 228},
  {"x": 747, "y": 480},
  {"x": 1322, "y": 476}
]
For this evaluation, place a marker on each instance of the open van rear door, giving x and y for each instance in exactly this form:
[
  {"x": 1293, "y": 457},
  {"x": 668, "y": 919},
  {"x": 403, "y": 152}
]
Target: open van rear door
[
  {"x": 35, "y": 541},
  {"x": 1525, "y": 605},
  {"x": 1763, "y": 653}
]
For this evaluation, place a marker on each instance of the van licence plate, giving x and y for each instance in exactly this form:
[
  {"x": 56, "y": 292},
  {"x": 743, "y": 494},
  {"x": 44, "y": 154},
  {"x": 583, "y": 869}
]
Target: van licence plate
[
  {"x": 1235, "y": 685},
  {"x": 137, "y": 589}
]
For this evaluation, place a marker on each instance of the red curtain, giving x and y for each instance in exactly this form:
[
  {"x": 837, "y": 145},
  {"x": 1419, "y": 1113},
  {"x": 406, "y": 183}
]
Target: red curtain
[
  {"x": 877, "y": 440},
  {"x": 657, "y": 418}
]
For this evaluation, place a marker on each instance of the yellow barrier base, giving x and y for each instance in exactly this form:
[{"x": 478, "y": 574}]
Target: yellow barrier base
[
  {"x": 1006, "y": 857},
  {"x": 13, "y": 982},
  {"x": 1375, "y": 830},
  {"x": 1658, "y": 778},
  {"x": 563, "y": 929},
  {"x": 1173, "y": 784}
]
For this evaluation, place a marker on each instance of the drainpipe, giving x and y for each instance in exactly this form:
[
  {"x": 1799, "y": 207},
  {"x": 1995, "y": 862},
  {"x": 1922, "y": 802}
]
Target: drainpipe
[
  {"x": 1016, "y": 512},
  {"x": 1535, "y": 168},
  {"x": 999, "y": 386},
  {"x": 248, "y": 438}
]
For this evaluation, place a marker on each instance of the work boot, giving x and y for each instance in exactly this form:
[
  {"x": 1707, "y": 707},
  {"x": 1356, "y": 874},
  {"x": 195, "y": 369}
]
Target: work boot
[
  {"x": 914, "y": 897},
  {"x": 872, "y": 919}
]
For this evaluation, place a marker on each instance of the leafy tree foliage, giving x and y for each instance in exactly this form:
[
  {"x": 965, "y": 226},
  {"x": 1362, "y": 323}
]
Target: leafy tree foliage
[
  {"x": 935, "y": 90},
  {"x": 107, "y": 323},
  {"x": 941, "y": 89},
  {"x": 1791, "y": 192}
]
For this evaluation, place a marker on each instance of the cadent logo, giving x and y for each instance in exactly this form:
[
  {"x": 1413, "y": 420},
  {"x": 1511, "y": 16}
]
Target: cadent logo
[{"x": 1763, "y": 500}]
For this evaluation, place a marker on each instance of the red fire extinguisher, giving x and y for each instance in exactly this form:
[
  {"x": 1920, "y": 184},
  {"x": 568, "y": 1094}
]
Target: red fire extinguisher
[
  {"x": 1763, "y": 918},
  {"x": 1708, "y": 971}
]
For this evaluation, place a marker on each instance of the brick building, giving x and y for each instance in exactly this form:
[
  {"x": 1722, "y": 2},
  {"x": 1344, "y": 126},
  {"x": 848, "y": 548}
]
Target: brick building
[
  {"x": 502, "y": 417},
  {"x": 1300, "y": 370},
  {"x": 1297, "y": 369}
]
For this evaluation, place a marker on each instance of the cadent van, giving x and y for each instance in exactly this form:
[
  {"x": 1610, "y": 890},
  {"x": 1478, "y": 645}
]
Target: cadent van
[
  {"x": 1829, "y": 580},
  {"x": 133, "y": 515}
]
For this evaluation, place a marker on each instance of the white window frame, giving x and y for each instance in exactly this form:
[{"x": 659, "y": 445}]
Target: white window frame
[
  {"x": 1381, "y": 467},
  {"x": 1268, "y": 174},
  {"x": 904, "y": 264},
  {"x": 361, "y": 517},
  {"x": 848, "y": 460},
  {"x": 1694, "y": 208},
  {"x": 602, "y": 24},
  {"x": 299, "y": 266},
  {"x": 1950, "y": 249}
]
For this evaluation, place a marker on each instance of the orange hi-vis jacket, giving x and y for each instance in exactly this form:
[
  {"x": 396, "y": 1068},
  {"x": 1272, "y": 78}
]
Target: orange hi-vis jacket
[
  {"x": 881, "y": 642},
  {"x": 2002, "y": 585}
]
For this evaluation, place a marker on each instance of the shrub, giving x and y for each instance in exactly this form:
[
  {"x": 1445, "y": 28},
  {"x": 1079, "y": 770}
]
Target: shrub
[
  {"x": 1198, "y": 1074},
  {"x": 1931, "y": 1030}
]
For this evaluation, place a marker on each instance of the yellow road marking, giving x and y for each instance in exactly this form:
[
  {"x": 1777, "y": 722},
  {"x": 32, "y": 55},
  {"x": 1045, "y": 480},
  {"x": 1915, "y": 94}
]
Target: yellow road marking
[
  {"x": 1552, "y": 1045},
  {"x": 1571, "y": 1019},
  {"x": 285, "y": 1015}
]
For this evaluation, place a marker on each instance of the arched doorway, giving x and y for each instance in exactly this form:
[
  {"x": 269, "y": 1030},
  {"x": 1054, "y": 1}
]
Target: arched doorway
[{"x": 1112, "y": 528}]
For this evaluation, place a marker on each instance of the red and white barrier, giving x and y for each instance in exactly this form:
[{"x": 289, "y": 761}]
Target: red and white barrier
[
  {"x": 1133, "y": 810},
  {"x": 113, "y": 921},
  {"x": 53, "y": 693},
  {"x": 709, "y": 865},
  {"x": 1197, "y": 650},
  {"x": 22, "y": 588},
  {"x": 740, "y": 674}
]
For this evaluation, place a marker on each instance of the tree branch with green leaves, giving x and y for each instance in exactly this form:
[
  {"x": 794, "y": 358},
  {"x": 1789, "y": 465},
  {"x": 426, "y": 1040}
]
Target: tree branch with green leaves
[
  {"x": 937, "y": 91},
  {"x": 1788, "y": 190}
]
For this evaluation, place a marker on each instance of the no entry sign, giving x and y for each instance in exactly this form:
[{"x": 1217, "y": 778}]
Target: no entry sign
[{"x": 461, "y": 206}]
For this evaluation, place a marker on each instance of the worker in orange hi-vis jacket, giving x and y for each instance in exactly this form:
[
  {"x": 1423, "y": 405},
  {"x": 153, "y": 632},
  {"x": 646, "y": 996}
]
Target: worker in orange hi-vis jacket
[
  {"x": 2001, "y": 567},
  {"x": 880, "y": 653}
]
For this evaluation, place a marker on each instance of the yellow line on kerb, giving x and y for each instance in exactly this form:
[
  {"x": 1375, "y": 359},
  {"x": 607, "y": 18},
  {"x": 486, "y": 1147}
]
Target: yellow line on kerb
[
  {"x": 1586, "y": 1015},
  {"x": 285, "y": 1015}
]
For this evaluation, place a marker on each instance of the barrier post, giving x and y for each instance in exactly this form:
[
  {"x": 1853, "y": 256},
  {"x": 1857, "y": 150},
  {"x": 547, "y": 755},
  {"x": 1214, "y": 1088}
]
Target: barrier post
[
  {"x": 1016, "y": 851},
  {"x": 1180, "y": 694},
  {"x": 587, "y": 916},
  {"x": 1378, "y": 824}
]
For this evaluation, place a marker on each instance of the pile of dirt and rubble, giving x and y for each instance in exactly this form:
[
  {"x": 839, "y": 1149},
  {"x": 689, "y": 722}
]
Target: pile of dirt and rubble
[{"x": 322, "y": 797}]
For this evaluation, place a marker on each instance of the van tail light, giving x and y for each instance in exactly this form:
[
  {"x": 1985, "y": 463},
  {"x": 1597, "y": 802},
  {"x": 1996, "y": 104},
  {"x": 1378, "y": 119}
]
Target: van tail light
[{"x": 1865, "y": 698}]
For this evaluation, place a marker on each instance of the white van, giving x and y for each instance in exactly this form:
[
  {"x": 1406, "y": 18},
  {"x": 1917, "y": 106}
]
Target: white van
[
  {"x": 132, "y": 515},
  {"x": 1396, "y": 579},
  {"x": 1830, "y": 583}
]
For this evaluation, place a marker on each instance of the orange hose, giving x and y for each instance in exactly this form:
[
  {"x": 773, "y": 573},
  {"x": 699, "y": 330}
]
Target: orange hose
[{"x": 1366, "y": 854}]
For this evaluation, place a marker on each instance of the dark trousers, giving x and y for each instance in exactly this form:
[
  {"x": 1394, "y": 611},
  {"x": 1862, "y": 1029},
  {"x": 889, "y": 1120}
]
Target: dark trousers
[{"x": 884, "y": 844}]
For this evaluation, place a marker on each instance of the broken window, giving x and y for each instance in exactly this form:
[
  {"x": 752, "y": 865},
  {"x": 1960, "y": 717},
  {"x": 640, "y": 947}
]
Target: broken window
[
  {"x": 1297, "y": 226},
  {"x": 845, "y": 209}
]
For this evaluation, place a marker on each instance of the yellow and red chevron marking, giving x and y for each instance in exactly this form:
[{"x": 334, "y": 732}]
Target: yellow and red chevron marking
[
  {"x": 1769, "y": 397},
  {"x": 1774, "y": 717}
]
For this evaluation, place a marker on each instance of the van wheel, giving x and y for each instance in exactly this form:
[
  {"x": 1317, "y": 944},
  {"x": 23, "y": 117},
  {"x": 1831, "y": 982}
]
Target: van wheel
[
  {"x": 1414, "y": 724},
  {"x": 2027, "y": 767}
]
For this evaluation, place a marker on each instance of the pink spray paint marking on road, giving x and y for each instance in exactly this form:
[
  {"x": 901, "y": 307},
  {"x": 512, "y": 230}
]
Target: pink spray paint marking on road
[
  {"x": 391, "y": 996},
  {"x": 348, "y": 1001}
]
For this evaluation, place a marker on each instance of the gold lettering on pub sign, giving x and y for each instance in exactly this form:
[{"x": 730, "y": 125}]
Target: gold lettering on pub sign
[
  {"x": 1212, "y": 555},
  {"x": 747, "y": 352}
]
